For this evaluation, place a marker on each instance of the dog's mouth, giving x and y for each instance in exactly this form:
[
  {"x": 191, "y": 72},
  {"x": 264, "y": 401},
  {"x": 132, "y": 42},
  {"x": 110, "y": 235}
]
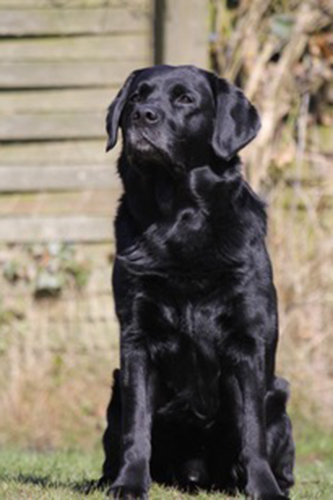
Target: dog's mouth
[
  {"x": 138, "y": 143},
  {"x": 145, "y": 143},
  {"x": 145, "y": 150}
]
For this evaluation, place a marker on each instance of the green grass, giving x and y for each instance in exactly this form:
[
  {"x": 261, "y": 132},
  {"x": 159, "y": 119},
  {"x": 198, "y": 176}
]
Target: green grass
[{"x": 64, "y": 475}]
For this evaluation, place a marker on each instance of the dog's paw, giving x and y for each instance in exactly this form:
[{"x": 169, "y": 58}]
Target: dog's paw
[
  {"x": 265, "y": 495},
  {"x": 262, "y": 484},
  {"x": 122, "y": 492},
  {"x": 103, "y": 483}
]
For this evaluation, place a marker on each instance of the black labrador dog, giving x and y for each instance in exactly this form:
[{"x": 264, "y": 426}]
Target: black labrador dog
[{"x": 196, "y": 402}]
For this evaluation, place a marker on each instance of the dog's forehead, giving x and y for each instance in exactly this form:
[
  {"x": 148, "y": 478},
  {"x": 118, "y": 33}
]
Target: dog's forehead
[{"x": 164, "y": 77}]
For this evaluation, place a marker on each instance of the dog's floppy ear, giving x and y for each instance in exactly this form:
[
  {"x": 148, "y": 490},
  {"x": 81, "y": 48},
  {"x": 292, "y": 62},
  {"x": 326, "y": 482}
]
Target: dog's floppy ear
[
  {"x": 236, "y": 120},
  {"x": 115, "y": 110}
]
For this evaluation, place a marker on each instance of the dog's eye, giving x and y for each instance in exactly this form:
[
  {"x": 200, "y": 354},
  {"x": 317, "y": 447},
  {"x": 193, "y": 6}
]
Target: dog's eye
[
  {"x": 185, "y": 99},
  {"x": 135, "y": 97}
]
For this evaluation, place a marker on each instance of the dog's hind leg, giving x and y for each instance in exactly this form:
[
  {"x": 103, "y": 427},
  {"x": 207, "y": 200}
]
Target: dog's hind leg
[{"x": 280, "y": 444}]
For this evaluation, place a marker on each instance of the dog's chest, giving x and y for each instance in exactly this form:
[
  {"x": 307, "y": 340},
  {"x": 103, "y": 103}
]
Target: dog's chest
[
  {"x": 164, "y": 316},
  {"x": 185, "y": 340}
]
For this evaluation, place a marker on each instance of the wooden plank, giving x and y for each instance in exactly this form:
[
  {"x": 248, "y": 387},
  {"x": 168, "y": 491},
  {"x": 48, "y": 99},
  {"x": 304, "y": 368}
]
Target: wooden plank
[
  {"x": 121, "y": 47},
  {"x": 40, "y": 229},
  {"x": 56, "y": 178},
  {"x": 186, "y": 26},
  {"x": 53, "y": 204},
  {"x": 66, "y": 74},
  {"x": 69, "y": 4},
  {"x": 55, "y": 126},
  {"x": 55, "y": 101},
  {"x": 80, "y": 152},
  {"x": 57, "y": 21}
]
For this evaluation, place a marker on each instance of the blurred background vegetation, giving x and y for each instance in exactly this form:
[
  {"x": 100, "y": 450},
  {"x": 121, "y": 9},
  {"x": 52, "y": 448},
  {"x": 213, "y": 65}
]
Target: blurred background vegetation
[
  {"x": 281, "y": 54},
  {"x": 58, "y": 192}
]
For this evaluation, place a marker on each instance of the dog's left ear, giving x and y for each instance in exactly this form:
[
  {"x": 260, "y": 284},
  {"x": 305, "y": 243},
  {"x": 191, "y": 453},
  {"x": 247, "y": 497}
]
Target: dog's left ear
[
  {"x": 236, "y": 120},
  {"x": 115, "y": 110}
]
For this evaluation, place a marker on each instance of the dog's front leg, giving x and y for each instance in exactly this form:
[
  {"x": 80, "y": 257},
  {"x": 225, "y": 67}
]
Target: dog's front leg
[
  {"x": 137, "y": 390},
  {"x": 261, "y": 483}
]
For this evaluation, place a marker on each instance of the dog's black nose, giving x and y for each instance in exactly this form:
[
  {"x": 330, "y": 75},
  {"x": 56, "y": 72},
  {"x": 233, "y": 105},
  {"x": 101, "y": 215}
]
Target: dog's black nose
[{"x": 147, "y": 115}]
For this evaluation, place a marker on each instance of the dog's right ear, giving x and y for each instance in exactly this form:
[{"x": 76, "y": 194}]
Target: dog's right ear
[
  {"x": 237, "y": 121},
  {"x": 115, "y": 110}
]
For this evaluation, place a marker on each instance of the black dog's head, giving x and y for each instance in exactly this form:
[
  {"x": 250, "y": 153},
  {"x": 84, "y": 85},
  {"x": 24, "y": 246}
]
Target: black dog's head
[{"x": 179, "y": 117}]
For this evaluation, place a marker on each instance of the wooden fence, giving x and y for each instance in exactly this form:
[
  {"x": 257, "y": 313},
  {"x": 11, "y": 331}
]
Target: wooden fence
[{"x": 61, "y": 63}]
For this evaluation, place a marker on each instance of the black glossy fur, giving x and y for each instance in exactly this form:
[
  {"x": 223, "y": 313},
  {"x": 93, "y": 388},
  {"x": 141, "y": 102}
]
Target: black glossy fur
[{"x": 196, "y": 402}]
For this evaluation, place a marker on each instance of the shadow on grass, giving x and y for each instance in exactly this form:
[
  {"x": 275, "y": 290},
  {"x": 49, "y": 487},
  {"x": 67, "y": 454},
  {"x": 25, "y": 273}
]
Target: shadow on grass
[{"x": 84, "y": 487}]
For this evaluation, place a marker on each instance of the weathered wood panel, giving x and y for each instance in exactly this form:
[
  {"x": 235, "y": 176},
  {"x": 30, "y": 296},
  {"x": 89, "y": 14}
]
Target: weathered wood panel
[
  {"x": 66, "y": 74},
  {"x": 108, "y": 48},
  {"x": 69, "y": 4},
  {"x": 55, "y": 101},
  {"x": 57, "y": 178},
  {"x": 74, "y": 229},
  {"x": 53, "y": 204},
  {"x": 57, "y": 21},
  {"x": 61, "y": 64},
  {"x": 55, "y": 126},
  {"x": 80, "y": 152}
]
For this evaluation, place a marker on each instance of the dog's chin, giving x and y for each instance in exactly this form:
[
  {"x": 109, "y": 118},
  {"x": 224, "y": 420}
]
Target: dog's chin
[{"x": 143, "y": 151}]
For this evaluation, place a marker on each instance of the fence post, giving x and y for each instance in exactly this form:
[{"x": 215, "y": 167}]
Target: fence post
[{"x": 184, "y": 32}]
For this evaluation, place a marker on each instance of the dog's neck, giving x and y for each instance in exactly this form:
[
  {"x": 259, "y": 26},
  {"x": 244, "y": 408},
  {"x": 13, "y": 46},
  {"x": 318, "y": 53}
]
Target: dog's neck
[
  {"x": 155, "y": 194},
  {"x": 194, "y": 226}
]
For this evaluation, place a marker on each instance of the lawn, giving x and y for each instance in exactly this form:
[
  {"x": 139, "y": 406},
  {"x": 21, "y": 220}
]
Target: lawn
[{"x": 65, "y": 474}]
